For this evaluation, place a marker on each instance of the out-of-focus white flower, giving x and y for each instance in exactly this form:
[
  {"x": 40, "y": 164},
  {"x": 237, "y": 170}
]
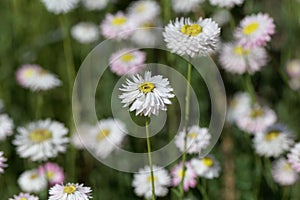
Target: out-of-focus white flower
[
  {"x": 60, "y": 6},
  {"x": 185, "y": 6},
  {"x": 32, "y": 181},
  {"x": 221, "y": 17},
  {"x": 81, "y": 137},
  {"x": 70, "y": 191},
  {"x": 6, "y": 126},
  {"x": 293, "y": 68},
  {"x": 239, "y": 104},
  {"x": 85, "y": 32},
  {"x": 197, "y": 139},
  {"x": 95, "y": 4},
  {"x": 226, "y": 3},
  {"x": 283, "y": 174},
  {"x": 2, "y": 162},
  {"x": 147, "y": 34},
  {"x": 143, "y": 11},
  {"x": 294, "y": 157},
  {"x": 146, "y": 95},
  {"x": 185, "y": 37},
  {"x": 41, "y": 140},
  {"x": 142, "y": 182},
  {"x": 207, "y": 167}
]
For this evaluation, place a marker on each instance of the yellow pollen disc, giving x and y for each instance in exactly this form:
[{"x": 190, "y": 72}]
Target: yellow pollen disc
[
  {"x": 241, "y": 51},
  {"x": 191, "y": 30},
  {"x": 127, "y": 57},
  {"x": 208, "y": 162},
  {"x": 146, "y": 87},
  {"x": 251, "y": 28},
  {"x": 287, "y": 167},
  {"x": 33, "y": 176},
  {"x": 70, "y": 189},
  {"x": 40, "y": 135},
  {"x": 29, "y": 73},
  {"x": 102, "y": 134},
  {"x": 140, "y": 8},
  {"x": 49, "y": 174},
  {"x": 180, "y": 173},
  {"x": 149, "y": 179},
  {"x": 23, "y": 198},
  {"x": 148, "y": 25},
  {"x": 272, "y": 135},
  {"x": 257, "y": 113},
  {"x": 192, "y": 135},
  {"x": 119, "y": 21}
]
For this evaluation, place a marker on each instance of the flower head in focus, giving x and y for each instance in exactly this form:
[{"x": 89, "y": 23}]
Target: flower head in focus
[
  {"x": 24, "y": 196},
  {"x": 70, "y": 191}
]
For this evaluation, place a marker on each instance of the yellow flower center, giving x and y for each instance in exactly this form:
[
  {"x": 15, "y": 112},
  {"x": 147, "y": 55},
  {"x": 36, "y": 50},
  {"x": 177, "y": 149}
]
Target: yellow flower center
[
  {"x": 49, "y": 175},
  {"x": 146, "y": 87},
  {"x": 180, "y": 173},
  {"x": 127, "y": 57},
  {"x": 119, "y": 21},
  {"x": 70, "y": 189},
  {"x": 40, "y": 135},
  {"x": 287, "y": 167},
  {"x": 23, "y": 198},
  {"x": 272, "y": 135},
  {"x": 191, "y": 30},
  {"x": 149, "y": 179},
  {"x": 257, "y": 113},
  {"x": 192, "y": 135},
  {"x": 241, "y": 51},
  {"x": 208, "y": 162},
  {"x": 29, "y": 73},
  {"x": 148, "y": 25},
  {"x": 102, "y": 134},
  {"x": 250, "y": 28},
  {"x": 33, "y": 176},
  {"x": 140, "y": 8}
]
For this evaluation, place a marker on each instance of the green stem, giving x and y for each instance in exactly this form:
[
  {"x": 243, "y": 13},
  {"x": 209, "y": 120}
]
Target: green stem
[
  {"x": 150, "y": 158},
  {"x": 70, "y": 67},
  {"x": 250, "y": 88},
  {"x": 268, "y": 174},
  {"x": 202, "y": 189},
  {"x": 286, "y": 193},
  {"x": 166, "y": 10},
  {"x": 258, "y": 175},
  {"x": 187, "y": 114},
  {"x": 38, "y": 106}
]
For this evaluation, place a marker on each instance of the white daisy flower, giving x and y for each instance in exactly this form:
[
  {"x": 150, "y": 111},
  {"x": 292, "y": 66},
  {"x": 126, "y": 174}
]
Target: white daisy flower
[
  {"x": 256, "y": 119},
  {"x": 226, "y": 3},
  {"x": 255, "y": 30},
  {"x": 283, "y": 174},
  {"x": 6, "y": 126},
  {"x": 117, "y": 26},
  {"x": 142, "y": 182},
  {"x": 70, "y": 191},
  {"x": 237, "y": 59},
  {"x": 146, "y": 95},
  {"x": 184, "y": 37},
  {"x": 2, "y": 162},
  {"x": 273, "y": 142},
  {"x": 60, "y": 6},
  {"x": 185, "y": 6},
  {"x": 41, "y": 140},
  {"x": 222, "y": 17},
  {"x": 207, "y": 167},
  {"x": 293, "y": 68},
  {"x": 24, "y": 196},
  {"x": 190, "y": 176},
  {"x": 127, "y": 61},
  {"x": 80, "y": 138},
  {"x": 239, "y": 104},
  {"x": 106, "y": 136},
  {"x": 35, "y": 78},
  {"x": 294, "y": 157},
  {"x": 146, "y": 34},
  {"x": 95, "y": 4},
  {"x": 294, "y": 83},
  {"x": 32, "y": 181},
  {"x": 85, "y": 32},
  {"x": 197, "y": 139},
  {"x": 143, "y": 11}
]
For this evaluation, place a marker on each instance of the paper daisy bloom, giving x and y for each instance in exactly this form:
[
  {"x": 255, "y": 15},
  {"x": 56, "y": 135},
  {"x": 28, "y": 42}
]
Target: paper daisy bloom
[
  {"x": 237, "y": 59},
  {"x": 106, "y": 136},
  {"x": 53, "y": 173},
  {"x": 70, "y": 191},
  {"x": 32, "y": 181},
  {"x": 239, "y": 104},
  {"x": 143, "y": 11},
  {"x": 190, "y": 177},
  {"x": 185, "y": 37},
  {"x": 273, "y": 142},
  {"x": 85, "y": 32},
  {"x": 293, "y": 68},
  {"x": 60, "y": 6},
  {"x": 2, "y": 162},
  {"x": 256, "y": 119},
  {"x": 283, "y": 174},
  {"x": 255, "y": 30},
  {"x": 127, "y": 61},
  {"x": 146, "y": 95},
  {"x": 95, "y": 4},
  {"x": 197, "y": 139},
  {"x": 294, "y": 157},
  {"x": 207, "y": 167},
  {"x": 6, "y": 126},
  {"x": 35, "y": 78},
  {"x": 41, "y": 140},
  {"x": 147, "y": 34},
  {"x": 117, "y": 26},
  {"x": 226, "y": 3},
  {"x": 142, "y": 182},
  {"x": 24, "y": 196},
  {"x": 185, "y": 6}
]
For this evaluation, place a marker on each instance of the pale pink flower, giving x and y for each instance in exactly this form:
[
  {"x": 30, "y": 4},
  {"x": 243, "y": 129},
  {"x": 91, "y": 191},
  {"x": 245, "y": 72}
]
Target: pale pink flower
[
  {"x": 190, "y": 178},
  {"x": 53, "y": 173},
  {"x": 294, "y": 157}
]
